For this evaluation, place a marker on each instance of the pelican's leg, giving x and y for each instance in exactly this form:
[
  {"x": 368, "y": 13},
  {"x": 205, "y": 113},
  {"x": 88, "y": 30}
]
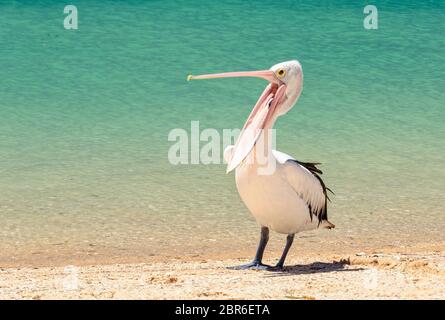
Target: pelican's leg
[
  {"x": 257, "y": 261},
  {"x": 280, "y": 264}
]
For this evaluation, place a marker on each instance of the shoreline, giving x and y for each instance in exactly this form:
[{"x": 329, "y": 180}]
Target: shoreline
[
  {"x": 377, "y": 274},
  {"x": 316, "y": 247},
  {"x": 274, "y": 250}
]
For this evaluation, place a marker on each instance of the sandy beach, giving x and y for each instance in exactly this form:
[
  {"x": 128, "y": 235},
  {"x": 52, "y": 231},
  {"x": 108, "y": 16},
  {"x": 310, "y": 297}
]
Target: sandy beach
[
  {"x": 113, "y": 167},
  {"x": 360, "y": 275}
]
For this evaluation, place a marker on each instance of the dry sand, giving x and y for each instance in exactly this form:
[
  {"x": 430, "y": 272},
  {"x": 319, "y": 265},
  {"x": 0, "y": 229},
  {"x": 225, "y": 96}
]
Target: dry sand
[{"x": 354, "y": 276}]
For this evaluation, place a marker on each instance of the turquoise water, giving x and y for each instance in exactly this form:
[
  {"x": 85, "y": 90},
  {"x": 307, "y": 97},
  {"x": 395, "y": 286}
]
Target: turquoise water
[{"x": 85, "y": 115}]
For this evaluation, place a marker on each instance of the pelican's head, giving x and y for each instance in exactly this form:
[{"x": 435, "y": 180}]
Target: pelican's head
[
  {"x": 290, "y": 74},
  {"x": 284, "y": 89}
]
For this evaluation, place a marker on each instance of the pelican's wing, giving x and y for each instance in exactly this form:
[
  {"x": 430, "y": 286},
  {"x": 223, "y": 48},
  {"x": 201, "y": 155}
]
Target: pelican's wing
[{"x": 304, "y": 177}]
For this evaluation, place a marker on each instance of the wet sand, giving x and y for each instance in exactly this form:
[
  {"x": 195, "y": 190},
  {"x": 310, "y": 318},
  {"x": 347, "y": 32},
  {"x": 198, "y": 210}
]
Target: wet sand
[{"x": 386, "y": 274}]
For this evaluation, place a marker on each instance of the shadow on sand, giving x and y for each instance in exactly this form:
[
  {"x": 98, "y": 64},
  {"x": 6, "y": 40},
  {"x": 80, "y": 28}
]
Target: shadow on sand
[{"x": 315, "y": 267}]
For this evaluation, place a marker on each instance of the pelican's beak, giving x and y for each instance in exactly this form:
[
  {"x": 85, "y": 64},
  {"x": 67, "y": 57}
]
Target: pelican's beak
[
  {"x": 259, "y": 118},
  {"x": 268, "y": 75}
]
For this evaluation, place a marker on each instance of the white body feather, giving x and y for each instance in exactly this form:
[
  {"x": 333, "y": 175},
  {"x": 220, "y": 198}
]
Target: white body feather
[{"x": 280, "y": 201}]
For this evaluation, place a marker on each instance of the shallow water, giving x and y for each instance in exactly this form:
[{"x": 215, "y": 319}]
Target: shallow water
[{"x": 85, "y": 115}]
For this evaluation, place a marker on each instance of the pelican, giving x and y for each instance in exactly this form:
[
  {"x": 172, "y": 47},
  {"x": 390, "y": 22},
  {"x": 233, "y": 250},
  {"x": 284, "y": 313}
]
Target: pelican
[{"x": 291, "y": 197}]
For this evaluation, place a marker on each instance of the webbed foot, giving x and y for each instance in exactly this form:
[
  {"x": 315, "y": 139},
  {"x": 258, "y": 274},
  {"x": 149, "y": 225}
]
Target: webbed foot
[{"x": 251, "y": 266}]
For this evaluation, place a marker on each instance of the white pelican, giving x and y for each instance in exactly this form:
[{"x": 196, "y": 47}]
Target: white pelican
[{"x": 292, "y": 197}]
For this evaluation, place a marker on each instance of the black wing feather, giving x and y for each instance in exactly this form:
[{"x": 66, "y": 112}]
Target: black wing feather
[{"x": 322, "y": 213}]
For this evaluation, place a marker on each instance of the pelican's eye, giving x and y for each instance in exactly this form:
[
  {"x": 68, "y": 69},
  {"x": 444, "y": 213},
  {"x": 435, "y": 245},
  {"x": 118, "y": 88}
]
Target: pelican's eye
[{"x": 281, "y": 73}]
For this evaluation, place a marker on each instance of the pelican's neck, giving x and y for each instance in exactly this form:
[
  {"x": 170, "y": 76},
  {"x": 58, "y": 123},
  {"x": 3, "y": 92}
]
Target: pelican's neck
[{"x": 261, "y": 153}]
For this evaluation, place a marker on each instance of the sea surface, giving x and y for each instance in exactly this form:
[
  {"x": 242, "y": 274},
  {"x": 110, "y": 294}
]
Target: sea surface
[{"x": 85, "y": 116}]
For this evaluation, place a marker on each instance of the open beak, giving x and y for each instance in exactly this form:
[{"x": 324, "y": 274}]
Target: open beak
[{"x": 260, "y": 116}]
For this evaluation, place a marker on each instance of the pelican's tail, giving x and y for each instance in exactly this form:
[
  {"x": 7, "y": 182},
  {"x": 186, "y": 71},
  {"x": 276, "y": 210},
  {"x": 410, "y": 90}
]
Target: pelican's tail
[{"x": 326, "y": 224}]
